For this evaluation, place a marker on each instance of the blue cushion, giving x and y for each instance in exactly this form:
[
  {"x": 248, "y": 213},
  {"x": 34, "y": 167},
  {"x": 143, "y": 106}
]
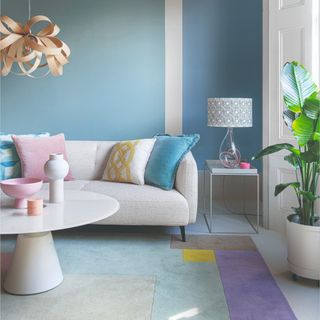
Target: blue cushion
[
  {"x": 165, "y": 158},
  {"x": 10, "y": 166}
]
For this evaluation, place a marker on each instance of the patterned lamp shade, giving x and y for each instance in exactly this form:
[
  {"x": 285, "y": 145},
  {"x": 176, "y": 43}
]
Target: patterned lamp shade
[{"x": 230, "y": 112}]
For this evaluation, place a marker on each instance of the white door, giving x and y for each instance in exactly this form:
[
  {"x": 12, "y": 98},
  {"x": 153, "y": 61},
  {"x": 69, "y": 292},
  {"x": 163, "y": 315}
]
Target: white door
[{"x": 291, "y": 33}]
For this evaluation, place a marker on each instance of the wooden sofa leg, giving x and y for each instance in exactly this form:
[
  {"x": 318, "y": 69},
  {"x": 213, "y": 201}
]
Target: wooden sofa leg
[{"x": 183, "y": 233}]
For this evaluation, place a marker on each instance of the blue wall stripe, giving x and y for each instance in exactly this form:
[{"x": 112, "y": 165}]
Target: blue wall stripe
[{"x": 222, "y": 57}]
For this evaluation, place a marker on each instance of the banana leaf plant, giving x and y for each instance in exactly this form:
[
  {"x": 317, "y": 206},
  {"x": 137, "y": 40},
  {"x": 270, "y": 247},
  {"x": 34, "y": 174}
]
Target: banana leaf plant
[{"x": 302, "y": 116}]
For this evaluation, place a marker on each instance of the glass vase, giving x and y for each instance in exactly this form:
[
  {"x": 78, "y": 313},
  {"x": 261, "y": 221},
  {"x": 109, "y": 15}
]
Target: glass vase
[{"x": 229, "y": 154}]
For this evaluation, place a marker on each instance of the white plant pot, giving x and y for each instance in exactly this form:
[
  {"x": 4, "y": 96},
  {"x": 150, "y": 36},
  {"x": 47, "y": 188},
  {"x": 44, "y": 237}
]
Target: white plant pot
[
  {"x": 56, "y": 168},
  {"x": 303, "y": 249}
]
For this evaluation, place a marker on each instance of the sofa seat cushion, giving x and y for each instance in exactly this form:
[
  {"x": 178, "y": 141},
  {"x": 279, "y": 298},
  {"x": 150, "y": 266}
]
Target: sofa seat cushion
[
  {"x": 139, "y": 205},
  {"x": 143, "y": 205}
]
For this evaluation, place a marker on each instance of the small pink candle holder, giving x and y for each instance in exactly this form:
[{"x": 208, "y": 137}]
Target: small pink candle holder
[
  {"x": 35, "y": 207},
  {"x": 245, "y": 165}
]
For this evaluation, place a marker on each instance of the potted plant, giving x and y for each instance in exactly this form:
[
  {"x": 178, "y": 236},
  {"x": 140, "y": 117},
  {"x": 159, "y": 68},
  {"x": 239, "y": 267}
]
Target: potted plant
[{"x": 302, "y": 116}]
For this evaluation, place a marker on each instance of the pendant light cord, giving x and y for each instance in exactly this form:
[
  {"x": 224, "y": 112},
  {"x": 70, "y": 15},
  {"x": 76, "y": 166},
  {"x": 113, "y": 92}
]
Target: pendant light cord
[{"x": 29, "y": 7}]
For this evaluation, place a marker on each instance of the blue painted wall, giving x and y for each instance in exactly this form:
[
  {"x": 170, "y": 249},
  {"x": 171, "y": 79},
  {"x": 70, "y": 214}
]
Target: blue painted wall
[
  {"x": 113, "y": 87},
  {"x": 222, "y": 50}
]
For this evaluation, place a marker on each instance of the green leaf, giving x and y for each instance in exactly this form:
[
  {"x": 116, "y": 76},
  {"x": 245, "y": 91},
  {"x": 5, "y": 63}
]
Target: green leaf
[
  {"x": 297, "y": 85},
  {"x": 292, "y": 159},
  {"x": 275, "y": 148},
  {"x": 314, "y": 146},
  {"x": 280, "y": 187},
  {"x": 308, "y": 195},
  {"x": 288, "y": 117},
  {"x": 311, "y": 107},
  {"x": 316, "y": 134},
  {"x": 303, "y": 129},
  {"x": 313, "y": 152},
  {"x": 309, "y": 156}
]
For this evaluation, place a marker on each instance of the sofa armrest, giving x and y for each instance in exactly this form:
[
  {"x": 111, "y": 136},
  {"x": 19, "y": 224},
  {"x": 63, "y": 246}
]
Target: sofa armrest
[{"x": 187, "y": 184}]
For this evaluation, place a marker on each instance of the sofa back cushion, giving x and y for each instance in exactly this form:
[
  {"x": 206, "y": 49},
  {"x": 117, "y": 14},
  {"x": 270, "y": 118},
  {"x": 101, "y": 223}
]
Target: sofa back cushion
[
  {"x": 34, "y": 153},
  {"x": 88, "y": 159},
  {"x": 128, "y": 161},
  {"x": 10, "y": 165},
  {"x": 165, "y": 159}
]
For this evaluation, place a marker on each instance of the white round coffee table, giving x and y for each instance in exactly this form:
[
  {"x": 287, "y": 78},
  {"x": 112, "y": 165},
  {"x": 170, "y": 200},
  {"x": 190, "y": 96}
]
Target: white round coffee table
[{"x": 35, "y": 266}]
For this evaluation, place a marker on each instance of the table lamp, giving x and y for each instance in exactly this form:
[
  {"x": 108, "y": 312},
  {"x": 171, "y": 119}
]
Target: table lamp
[{"x": 229, "y": 113}]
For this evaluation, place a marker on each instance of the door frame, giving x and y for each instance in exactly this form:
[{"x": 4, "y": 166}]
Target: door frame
[{"x": 265, "y": 110}]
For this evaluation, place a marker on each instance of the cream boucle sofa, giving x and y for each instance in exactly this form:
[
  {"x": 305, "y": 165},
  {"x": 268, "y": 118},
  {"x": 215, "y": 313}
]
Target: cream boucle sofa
[{"x": 139, "y": 205}]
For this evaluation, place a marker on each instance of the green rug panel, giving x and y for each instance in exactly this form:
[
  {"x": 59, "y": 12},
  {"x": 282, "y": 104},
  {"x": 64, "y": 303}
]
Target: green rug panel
[
  {"x": 180, "y": 287},
  {"x": 83, "y": 297}
]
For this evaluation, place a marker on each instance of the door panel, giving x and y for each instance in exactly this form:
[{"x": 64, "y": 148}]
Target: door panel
[
  {"x": 285, "y": 4},
  {"x": 290, "y": 30},
  {"x": 291, "y": 47},
  {"x": 280, "y": 172}
]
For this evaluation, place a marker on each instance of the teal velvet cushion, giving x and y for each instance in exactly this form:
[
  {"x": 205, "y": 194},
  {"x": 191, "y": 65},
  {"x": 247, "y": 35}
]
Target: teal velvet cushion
[
  {"x": 167, "y": 153},
  {"x": 10, "y": 166}
]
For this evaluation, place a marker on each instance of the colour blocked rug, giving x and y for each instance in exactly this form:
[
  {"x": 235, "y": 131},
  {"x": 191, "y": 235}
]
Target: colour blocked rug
[
  {"x": 143, "y": 276},
  {"x": 250, "y": 290}
]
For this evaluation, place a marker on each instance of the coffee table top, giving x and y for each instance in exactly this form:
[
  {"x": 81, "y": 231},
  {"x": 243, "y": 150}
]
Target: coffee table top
[{"x": 79, "y": 208}]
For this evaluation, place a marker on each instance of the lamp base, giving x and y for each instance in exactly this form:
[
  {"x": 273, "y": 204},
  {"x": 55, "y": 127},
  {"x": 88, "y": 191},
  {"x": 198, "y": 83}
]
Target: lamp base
[{"x": 229, "y": 154}]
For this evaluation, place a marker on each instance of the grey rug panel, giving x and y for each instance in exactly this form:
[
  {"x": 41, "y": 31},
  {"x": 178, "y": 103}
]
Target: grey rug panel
[
  {"x": 83, "y": 297},
  {"x": 213, "y": 242}
]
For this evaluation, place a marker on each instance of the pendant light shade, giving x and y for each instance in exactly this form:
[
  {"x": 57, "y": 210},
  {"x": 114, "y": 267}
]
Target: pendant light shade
[{"x": 31, "y": 51}]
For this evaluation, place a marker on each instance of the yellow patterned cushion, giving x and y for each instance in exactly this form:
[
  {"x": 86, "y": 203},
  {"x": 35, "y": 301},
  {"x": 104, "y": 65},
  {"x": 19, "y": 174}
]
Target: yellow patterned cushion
[{"x": 128, "y": 161}]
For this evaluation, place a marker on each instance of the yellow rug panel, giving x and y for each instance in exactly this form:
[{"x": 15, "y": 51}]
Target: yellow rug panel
[{"x": 195, "y": 255}]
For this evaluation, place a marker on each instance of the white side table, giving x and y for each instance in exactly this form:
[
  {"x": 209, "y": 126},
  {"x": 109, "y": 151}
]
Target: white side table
[{"x": 215, "y": 168}]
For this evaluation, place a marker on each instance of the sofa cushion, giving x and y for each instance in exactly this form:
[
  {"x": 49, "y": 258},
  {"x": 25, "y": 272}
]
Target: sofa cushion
[
  {"x": 34, "y": 153},
  {"x": 88, "y": 159},
  {"x": 139, "y": 205},
  {"x": 165, "y": 158},
  {"x": 10, "y": 166},
  {"x": 128, "y": 160}
]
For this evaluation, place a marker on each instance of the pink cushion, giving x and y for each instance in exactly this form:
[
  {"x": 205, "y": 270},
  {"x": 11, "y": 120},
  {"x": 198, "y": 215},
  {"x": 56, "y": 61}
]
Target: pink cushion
[{"x": 34, "y": 153}]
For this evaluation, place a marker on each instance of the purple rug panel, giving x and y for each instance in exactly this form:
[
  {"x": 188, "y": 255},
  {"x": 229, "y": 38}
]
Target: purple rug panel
[{"x": 250, "y": 290}]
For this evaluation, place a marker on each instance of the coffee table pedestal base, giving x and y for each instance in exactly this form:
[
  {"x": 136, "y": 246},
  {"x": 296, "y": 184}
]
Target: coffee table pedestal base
[{"x": 35, "y": 266}]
